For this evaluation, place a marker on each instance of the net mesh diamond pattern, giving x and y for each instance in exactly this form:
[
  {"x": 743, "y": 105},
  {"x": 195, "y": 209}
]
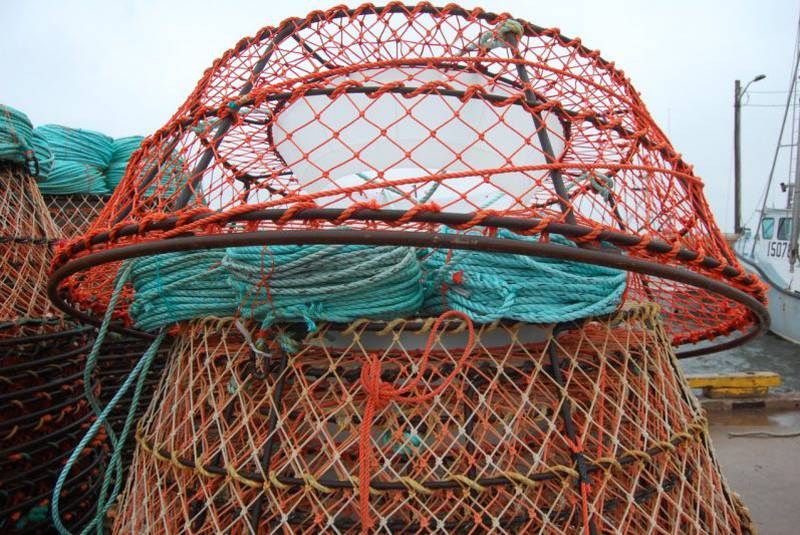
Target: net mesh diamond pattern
[{"x": 591, "y": 427}]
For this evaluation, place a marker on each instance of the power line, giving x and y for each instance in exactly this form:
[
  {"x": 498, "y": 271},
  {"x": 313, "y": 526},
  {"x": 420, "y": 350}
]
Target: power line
[{"x": 764, "y": 105}]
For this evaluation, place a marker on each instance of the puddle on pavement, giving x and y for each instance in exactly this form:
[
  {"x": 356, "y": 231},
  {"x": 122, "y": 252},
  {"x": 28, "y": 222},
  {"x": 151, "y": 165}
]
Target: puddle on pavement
[{"x": 756, "y": 418}]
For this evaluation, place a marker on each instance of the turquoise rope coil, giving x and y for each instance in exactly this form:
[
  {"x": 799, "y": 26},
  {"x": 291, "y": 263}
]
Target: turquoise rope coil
[
  {"x": 490, "y": 286},
  {"x": 310, "y": 283},
  {"x": 16, "y": 138},
  {"x": 43, "y": 155},
  {"x": 122, "y": 150},
  {"x": 68, "y": 161},
  {"x": 79, "y": 160},
  {"x": 289, "y": 283},
  {"x": 78, "y": 145},
  {"x": 179, "y": 286},
  {"x": 342, "y": 283},
  {"x": 68, "y": 178}
]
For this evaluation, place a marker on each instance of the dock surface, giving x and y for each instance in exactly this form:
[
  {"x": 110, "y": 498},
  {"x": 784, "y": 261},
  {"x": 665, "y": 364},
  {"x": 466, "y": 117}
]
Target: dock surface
[{"x": 764, "y": 471}]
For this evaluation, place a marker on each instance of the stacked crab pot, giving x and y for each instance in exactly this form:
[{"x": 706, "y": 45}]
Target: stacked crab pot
[
  {"x": 42, "y": 356},
  {"x": 425, "y": 269}
]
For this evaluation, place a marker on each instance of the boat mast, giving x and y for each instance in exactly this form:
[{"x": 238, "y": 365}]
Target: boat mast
[
  {"x": 789, "y": 102},
  {"x": 795, "y": 205}
]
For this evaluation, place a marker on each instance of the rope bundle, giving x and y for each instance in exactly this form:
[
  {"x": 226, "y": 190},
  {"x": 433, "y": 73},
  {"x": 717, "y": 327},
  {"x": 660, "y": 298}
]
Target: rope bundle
[
  {"x": 16, "y": 137},
  {"x": 294, "y": 283},
  {"x": 78, "y": 145},
  {"x": 341, "y": 283},
  {"x": 71, "y": 161},
  {"x": 66, "y": 178},
  {"x": 122, "y": 149},
  {"x": 43, "y": 154},
  {"x": 178, "y": 286},
  {"x": 490, "y": 286},
  {"x": 338, "y": 283},
  {"x": 81, "y": 157}
]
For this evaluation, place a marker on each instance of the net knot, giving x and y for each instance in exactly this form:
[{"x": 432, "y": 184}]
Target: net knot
[{"x": 378, "y": 391}]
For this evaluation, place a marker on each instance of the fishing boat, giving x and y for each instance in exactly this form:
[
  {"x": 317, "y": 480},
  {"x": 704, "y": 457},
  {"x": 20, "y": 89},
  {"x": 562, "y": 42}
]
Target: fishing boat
[
  {"x": 768, "y": 252},
  {"x": 771, "y": 248}
]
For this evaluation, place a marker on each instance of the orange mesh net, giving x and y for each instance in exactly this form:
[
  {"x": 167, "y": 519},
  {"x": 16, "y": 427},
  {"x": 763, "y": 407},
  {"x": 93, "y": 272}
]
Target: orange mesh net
[
  {"x": 586, "y": 429},
  {"x": 412, "y": 118},
  {"x": 27, "y": 242}
]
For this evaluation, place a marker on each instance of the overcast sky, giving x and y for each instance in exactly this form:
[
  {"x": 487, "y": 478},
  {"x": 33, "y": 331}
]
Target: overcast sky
[{"x": 123, "y": 67}]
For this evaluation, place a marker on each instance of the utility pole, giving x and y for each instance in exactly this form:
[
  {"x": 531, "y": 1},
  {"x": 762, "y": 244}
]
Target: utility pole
[
  {"x": 738, "y": 93},
  {"x": 737, "y": 158}
]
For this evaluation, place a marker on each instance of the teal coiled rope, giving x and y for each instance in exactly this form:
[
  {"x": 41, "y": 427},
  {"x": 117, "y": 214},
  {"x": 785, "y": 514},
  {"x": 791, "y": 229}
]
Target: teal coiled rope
[
  {"x": 292, "y": 283},
  {"x": 122, "y": 150},
  {"x": 491, "y": 286},
  {"x": 341, "y": 283},
  {"x": 68, "y": 178},
  {"x": 179, "y": 286},
  {"x": 44, "y": 155},
  {"x": 68, "y": 161},
  {"x": 16, "y": 138},
  {"x": 81, "y": 158},
  {"x": 78, "y": 145},
  {"x": 338, "y": 283}
]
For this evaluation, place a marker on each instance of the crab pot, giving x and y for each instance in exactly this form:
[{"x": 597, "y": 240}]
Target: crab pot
[
  {"x": 538, "y": 430},
  {"x": 44, "y": 414},
  {"x": 465, "y": 119},
  {"x": 27, "y": 240},
  {"x": 451, "y": 130}
]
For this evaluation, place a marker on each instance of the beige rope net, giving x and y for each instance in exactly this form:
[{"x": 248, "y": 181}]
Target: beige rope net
[
  {"x": 73, "y": 214},
  {"x": 584, "y": 429},
  {"x": 27, "y": 240}
]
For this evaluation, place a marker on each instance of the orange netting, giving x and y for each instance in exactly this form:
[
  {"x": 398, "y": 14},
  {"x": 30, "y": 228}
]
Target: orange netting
[
  {"x": 410, "y": 118},
  {"x": 590, "y": 429},
  {"x": 27, "y": 241}
]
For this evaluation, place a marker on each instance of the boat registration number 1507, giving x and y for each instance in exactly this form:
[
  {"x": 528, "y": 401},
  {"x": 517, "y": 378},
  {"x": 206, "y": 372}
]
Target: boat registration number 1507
[{"x": 777, "y": 248}]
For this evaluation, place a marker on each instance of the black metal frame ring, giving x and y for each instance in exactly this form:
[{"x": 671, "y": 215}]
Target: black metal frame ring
[{"x": 408, "y": 239}]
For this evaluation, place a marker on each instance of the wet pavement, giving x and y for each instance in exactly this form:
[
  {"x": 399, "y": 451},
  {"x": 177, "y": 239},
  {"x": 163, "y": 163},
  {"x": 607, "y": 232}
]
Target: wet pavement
[
  {"x": 767, "y": 353},
  {"x": 764, "y": 471}
]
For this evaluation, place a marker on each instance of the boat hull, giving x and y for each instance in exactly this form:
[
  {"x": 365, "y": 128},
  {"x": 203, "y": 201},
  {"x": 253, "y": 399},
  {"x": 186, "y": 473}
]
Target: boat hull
[{"x": 784, "y": 305}]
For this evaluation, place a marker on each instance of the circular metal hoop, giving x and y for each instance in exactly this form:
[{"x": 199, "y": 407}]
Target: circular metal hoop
[{"x": 408, "y": 239}]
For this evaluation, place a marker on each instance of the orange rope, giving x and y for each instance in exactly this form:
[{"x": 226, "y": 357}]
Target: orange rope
[{"x": 380, "y": 393}]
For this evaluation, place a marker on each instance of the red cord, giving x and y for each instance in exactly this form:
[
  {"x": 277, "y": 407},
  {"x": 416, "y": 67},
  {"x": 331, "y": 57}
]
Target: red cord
[{"x": 380, "y": 393}]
